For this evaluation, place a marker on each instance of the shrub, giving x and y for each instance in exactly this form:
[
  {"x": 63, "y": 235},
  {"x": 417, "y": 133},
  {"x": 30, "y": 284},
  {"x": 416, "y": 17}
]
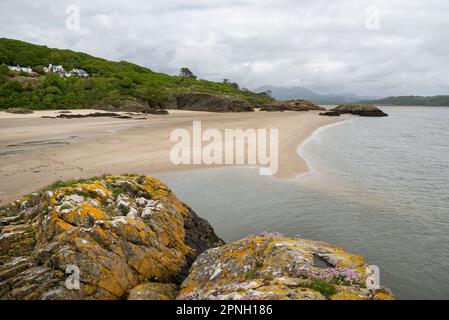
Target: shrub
[
  {"x": 117, "y": 191},
  {"x": 325, "y": 288}
]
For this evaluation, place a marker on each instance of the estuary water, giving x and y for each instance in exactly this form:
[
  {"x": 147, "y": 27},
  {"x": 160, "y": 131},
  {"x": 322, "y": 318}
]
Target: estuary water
[{"x": 378, "y": 187}]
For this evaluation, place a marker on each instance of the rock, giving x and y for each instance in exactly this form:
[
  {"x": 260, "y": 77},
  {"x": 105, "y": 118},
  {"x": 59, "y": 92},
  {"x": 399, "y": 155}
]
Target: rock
[
  {"x": 156, "y": 111},
  {"x": 330, "y": 114},
  {"x": 272, "y": 266},
  {"x": 134, "y": 106},
  {"x": 209, "y": 102},
  {"x": 19, "y": 110},
  {"x": 89, "y": 115},
  {"x": 361, "y": 110},
  {"x": 130, "y": 237},
  {"x": 291, "y": 105},
  {"x": 304, "y": 104},
  {"x": 274, "y": 108},
  {"x": 81, "y": 226},
  {"x": 154, "y": 291}
]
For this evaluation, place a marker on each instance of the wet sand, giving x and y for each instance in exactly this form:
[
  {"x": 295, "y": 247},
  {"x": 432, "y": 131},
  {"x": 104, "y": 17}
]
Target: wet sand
[{"x": 35, "y": 152}]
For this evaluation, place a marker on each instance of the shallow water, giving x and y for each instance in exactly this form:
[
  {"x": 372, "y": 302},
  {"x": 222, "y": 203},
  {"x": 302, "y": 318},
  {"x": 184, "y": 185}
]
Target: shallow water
[{"x": 378, "y": 187}]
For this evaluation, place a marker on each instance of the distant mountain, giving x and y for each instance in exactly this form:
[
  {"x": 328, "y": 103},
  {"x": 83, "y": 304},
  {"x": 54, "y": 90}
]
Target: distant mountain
[
  {"x": 288, "y": 93},
  {"x": 437, "y": 101}
]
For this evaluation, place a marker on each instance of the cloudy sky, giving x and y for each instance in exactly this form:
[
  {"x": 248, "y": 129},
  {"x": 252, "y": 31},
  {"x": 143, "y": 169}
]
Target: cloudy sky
[{"x": 376, "y": 48}]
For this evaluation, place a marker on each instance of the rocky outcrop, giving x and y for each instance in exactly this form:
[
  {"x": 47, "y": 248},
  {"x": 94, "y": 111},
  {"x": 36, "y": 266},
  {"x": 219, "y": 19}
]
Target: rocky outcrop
[
  {"x": 361, "y": 110},
  {"x": 117, "y": 232},
  {"x": 134, "y": 106},
  {"x": 130, "y": 237},
  {"x": 209, "y": 102},
  {"x": 291, "y": 105},
  {"x": 330, "y": 114},
  {"x": 272, "y": 266},
  {"x": 280, "y": 107},
  {"x": 304, "y": 104}
]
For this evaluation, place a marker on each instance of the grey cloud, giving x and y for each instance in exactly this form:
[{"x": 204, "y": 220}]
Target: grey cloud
[{"x": 323, "y": 45}]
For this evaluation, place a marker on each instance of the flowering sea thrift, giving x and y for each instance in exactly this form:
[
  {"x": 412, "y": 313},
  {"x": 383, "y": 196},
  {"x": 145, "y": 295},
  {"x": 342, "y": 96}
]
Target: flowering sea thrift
[
  {"x": 336, "y": 275},
  {"x": 271, "y": 234}
]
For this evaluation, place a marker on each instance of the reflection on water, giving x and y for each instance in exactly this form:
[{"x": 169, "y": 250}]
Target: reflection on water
[{"x": 379, "y": 188}]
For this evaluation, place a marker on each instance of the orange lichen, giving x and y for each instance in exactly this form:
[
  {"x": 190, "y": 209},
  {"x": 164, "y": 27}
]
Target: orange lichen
[
  {"x": 345, "y": 295},
  {"x": 92, "y": 211},
  {"x": 383, "y": 296}
]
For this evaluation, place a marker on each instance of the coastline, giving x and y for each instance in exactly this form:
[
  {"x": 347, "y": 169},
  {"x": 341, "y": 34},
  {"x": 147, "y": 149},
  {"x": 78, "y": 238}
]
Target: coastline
[
  {"x": 301, "y": 150},
  {"x": 34, "y": 152}
]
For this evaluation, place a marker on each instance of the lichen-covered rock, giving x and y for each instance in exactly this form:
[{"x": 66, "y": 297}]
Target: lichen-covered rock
[
  {"x": 272, "y": 266},
  {"x": 118, "y": 231},
  {"x": 154, "y": 291}
]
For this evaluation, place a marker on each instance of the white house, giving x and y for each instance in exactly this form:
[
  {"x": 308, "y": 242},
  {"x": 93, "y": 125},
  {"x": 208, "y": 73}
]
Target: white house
[
  {"x": 61, "y": 71},
  {"x": 20, "y": 69},
  {"x": 55, "y": 69},
  {"x": 78, "y": 73}
]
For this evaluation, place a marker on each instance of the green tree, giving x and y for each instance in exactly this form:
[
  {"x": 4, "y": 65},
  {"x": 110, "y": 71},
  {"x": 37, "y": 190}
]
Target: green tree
[
  {"x": 4, "y": 71},
  {"x": 185, "y": 72},
  {"x": 39, "y": 69}
]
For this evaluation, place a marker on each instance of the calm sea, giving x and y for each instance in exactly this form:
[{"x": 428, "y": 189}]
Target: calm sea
[{"x": 378, "y": 187}]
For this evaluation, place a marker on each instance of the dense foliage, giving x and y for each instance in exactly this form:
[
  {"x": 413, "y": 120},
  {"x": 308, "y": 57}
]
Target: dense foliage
[
  {"x": 108, "y": 82},
  {"x": 412, "y": 101}
]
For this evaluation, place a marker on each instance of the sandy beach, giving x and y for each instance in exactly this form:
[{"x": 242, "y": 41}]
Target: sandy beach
[{"x": 35, "y": 151}]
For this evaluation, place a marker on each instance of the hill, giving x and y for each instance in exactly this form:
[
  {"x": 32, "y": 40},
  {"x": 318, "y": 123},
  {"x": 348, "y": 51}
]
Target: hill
[
  {"x": 292, "y": 93},
  {"x": 436, "y": 101},
  {"x": 108, "y": 83}
]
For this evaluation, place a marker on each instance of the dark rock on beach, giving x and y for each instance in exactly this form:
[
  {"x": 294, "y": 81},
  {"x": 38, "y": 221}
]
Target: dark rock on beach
[
  {"x": 360, "y": 110},
  {"x": 102, "y": 114},
  {"x": 208, "y": 102},
  {"x": 89, "y": 115},
  {"x": 330, "y": 114},
  {"x": 156, "y": 111},
  {"x": 291, "y": 105},
  {"x": 304, "y": 104},
  {"x": 135, "y": 106},
  {"x": 19, "y": 111},
  {"x": 274, "y": 108}
]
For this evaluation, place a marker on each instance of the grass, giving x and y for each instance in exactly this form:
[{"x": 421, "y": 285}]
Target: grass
[
  {"x": 104, "y": 202},
  {"x": 65, "y": 207},
  {"x": 253, "y": 273},
  {"x": 116, "y": 191},
  {"x": 61, "y": 184},
  {"x": 325, "y": 288}
]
